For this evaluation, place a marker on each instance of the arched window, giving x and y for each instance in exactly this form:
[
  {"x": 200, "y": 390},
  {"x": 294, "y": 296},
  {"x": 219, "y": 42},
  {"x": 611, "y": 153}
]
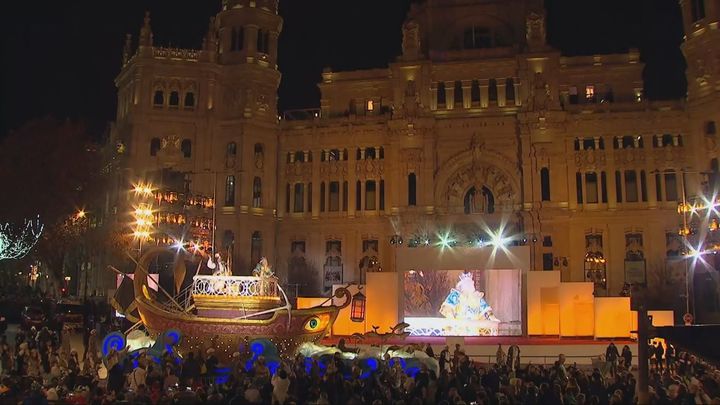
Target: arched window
[
  {"x": 334, "y": 154},
  {"x": 475, "y": 92},
  {"x": 477, "y": 37},
  {"x": 259, "y": 151},
  {"x": 263, "y": 39},
  {"x": 256, "y": 247},
  {"x": 299, "y": 196},
  {"x": 643, "y": 186},
  {"x": 358, "y": 154},
  {"x": 618, "y": 186},
  {"x": 309, "y": 197},
  {"x": 228, "y": 239},
  {"x": 358, "y": 196},
  {"x": 186, "y": 148},
  {"x": 631, "y": 186},
  {"x": 492, "y": 90},
  {"x": 412, "y": 189},
  {"x": 697, "y": 10},
  {"x": 154, "y": 146},
  {"x": 299, "y": 156},
  {"x": 545, "y": 184},
  {"x": 382, "y": 153},
  {"x": 230, "y": 191},
  {"x": 510, "y": 89},
  {"x": 174, "y": 99},
  {"x": 287, "y": 197},
  {"x": 578, "y": 187},
  {"x": 370, "y": 190},
  {"x": 231, "y": 149},
  {"x": 441, "y": 94},
  {"x": 322, "y": 196},
  {"x": 345, "y": 196},
  {"x": 334, "y": 196},
  {"x": 370, "y": 153},
  {"x": 714, "y": 175},
  {"x": 159, "y": 98},
  {"x": 237, "y": 39},
  {"x": 257, "y": 192},
  {"x": 479, "y": 201},
  {"x": 345, "y": 154},
  {"x": 382, "y": 195},
  {"x": 189, "y": 99},
  {"x": 458, "y": 94}
]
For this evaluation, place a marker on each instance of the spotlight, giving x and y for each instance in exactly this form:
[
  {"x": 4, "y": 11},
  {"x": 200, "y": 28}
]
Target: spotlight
[{"x": 497, "y": 239}]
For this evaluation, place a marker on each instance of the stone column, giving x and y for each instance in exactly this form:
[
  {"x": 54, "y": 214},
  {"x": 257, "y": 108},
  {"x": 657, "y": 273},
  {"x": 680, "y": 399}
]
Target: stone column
[
  {"x": 449, "y": 95},
  {"x": 651, "y": 188},
  {"x": 433, "y": 96},
  {"x": 282, "y": 193},
  {"x": 572, "y": 179},
  {"x": 516, "y": 84},
  {"x": 467, "y": 96},
  {"x": 612, "y": 187},
  {"x": 352, "y": 179},
  {"x": 273, "y": 45},
  {"x": 316, "y": 183},
  {"x": 250, "y": 38},
  {"x": 501, "y": 92},
  {"x": 484, "y": 93},
  {"x": 363, "y": 195}
]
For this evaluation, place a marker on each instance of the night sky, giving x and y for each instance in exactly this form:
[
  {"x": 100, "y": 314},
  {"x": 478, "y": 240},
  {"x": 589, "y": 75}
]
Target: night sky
[{"x": 60, "y": 57}]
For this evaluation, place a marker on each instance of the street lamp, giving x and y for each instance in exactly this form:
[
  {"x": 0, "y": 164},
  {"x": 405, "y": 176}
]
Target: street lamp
[{"x": 143, "y": 214}]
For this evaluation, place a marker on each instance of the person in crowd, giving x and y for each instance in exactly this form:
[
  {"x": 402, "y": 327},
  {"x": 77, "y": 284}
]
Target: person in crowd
[
  {"x": 627, "y": 357},
  {"x": 611, "y": 358}
]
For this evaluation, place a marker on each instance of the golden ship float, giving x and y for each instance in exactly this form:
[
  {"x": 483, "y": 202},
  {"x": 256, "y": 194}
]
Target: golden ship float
[{"x": 224, "y": 311}]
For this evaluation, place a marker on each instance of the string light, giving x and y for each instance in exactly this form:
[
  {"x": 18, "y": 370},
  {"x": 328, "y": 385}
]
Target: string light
[{"x": 15, "y": 244}]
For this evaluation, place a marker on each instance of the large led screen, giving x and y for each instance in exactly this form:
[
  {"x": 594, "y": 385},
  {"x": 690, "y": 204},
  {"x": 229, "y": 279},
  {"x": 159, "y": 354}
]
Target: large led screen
[{"x": 463, "y": 303}]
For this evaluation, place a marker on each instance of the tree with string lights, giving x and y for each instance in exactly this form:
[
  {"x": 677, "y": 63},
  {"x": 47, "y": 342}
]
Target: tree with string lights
[{"x": 16, "y": 242}]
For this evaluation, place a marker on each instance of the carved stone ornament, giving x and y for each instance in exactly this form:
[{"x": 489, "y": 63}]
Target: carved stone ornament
[
  {"x": 232, "y": 98},
  {"x": 590, "y": 159},
  {"x": 668, "y": 156},
  {"x": 488, "y": 176},
  {"x": 411, "y": 40},
  {"x": 298, "y": 170},
  {"x": 333, "y": 169},
  {"x": 535, "y": 29},
  {"x": 371, "y": 168},
  {"x": 413, "y": 157},
  {"x": 170, "y": 142},
  {"x": 629, "y": 156}
]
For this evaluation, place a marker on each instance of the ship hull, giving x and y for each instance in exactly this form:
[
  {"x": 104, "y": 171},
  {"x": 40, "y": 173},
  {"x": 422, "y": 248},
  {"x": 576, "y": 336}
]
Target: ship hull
[{"x": 227, "y": 335}]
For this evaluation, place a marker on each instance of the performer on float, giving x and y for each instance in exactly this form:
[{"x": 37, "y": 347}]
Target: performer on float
[
  {"x": 218, "y": 266},
  {"x": 466, "y": 303},
  {"x": 263, "y": 270}
]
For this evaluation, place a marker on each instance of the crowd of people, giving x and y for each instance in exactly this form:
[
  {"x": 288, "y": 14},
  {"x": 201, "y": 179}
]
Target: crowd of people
[{"x": 40, "y": 366}]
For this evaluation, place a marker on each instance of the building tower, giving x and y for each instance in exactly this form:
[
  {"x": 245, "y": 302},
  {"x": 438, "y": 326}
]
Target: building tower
[
  {"x": 203, "y": 123},
  {"x": 701, "y": 47}
]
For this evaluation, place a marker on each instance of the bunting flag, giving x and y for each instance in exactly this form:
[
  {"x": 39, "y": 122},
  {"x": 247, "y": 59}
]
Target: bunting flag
[{"x": 124, "y": 300}]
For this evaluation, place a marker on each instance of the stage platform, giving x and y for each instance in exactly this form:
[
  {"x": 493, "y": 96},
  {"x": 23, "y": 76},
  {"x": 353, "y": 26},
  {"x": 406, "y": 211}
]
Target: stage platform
[{"x": 536, "y": 349}]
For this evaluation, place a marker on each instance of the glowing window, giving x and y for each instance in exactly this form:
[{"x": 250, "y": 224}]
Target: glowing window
[
  {"x": 370, "y": 105},
  {"x": 590, "y": 93}
]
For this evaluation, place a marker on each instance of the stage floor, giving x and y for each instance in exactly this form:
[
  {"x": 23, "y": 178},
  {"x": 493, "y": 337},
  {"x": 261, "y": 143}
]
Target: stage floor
[{"x": 535, "y": 349}]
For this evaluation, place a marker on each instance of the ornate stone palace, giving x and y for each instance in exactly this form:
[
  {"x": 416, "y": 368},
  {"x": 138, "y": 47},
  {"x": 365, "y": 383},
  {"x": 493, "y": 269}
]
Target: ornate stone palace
[{"x": 479, "y": 127}]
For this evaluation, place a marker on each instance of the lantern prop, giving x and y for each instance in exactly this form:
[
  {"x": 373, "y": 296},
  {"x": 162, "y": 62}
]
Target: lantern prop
[{"x": 357, "y": 307}]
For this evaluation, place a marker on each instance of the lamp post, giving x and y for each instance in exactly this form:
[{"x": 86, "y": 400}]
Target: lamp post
[
  {"x": 396, "y": 240},
  {"x": 686, "y": 209}
]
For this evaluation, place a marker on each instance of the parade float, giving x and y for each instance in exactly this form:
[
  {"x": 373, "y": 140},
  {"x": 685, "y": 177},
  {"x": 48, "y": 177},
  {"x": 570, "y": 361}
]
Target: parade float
[{"x": 223, "y": 311}]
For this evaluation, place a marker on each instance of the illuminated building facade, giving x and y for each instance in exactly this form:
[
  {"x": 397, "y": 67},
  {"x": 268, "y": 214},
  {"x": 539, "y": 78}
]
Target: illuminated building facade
[{"x": 478, "y": 126}]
